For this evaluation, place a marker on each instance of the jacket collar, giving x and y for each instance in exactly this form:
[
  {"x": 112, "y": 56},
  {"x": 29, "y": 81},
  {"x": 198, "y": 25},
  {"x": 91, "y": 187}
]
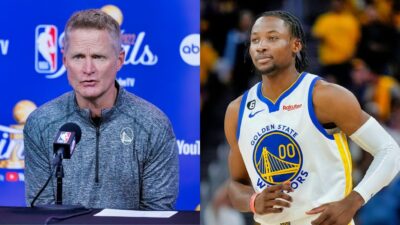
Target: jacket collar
[{"x": 105, "y": 113}]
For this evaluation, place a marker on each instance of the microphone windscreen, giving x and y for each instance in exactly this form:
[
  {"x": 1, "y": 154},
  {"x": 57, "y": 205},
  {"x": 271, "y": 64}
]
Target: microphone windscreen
[{"x": 72, "y": 127}]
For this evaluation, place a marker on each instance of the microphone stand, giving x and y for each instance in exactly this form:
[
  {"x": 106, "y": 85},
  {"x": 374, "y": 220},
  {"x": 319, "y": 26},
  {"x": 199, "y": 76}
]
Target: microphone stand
[{"x": 59, "y": 175}]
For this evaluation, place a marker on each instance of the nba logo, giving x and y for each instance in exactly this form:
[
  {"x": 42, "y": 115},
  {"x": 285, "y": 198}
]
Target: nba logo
[
  {"x": 64, "y": 137},
  {"x": 46, "y": 49}
]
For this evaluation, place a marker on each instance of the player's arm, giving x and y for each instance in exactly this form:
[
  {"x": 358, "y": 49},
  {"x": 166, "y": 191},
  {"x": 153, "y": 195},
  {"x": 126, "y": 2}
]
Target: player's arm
[
  {"x": 334, "y": 104},
  {"x": 239, "y": 188}
]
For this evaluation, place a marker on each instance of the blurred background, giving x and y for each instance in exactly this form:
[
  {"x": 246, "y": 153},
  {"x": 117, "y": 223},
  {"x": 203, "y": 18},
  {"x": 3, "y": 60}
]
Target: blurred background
[{"x": 362, "y": 53}]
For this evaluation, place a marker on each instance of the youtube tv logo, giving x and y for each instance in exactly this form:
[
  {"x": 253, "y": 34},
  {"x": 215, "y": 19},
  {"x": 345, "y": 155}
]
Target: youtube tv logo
[{"x": 12, "y": 176}]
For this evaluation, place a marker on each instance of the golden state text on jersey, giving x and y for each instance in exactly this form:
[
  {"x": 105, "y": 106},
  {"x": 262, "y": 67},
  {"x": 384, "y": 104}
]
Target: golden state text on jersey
[{"x": 277, "y": 157}]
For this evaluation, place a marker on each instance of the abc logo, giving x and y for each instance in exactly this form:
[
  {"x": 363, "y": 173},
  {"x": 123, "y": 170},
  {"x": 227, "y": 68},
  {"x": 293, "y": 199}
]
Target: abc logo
[{"x": 190, "y": 49}]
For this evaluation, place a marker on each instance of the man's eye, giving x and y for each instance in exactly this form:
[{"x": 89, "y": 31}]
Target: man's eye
[
  {"x": 273, "y": 38},
  {"x": 98, "y": 57},
  {"x": 78, "y": 57},
  {"x": 255, "y": 41}
]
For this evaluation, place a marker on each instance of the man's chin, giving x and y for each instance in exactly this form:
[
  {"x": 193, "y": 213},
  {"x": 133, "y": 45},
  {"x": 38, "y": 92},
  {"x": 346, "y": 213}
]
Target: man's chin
[
  {"x": 270, "y": 71},
  {"x": 89, "y": 96}
]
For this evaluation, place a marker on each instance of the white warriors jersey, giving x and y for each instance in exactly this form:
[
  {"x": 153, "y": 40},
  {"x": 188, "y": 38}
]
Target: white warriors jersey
[{"x": 283, "y": 141}]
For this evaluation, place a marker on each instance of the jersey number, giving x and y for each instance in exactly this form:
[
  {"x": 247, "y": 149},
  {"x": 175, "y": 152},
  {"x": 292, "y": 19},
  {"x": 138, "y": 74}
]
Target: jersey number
[{"x": 286, "y": 150}]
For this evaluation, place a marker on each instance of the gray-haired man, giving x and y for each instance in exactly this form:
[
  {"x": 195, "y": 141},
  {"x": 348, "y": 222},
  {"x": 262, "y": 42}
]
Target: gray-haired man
[{"x": 127, "y": 157}]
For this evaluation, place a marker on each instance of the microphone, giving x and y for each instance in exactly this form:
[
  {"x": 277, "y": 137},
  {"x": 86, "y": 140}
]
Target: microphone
[{"x": 64, "y": 144}]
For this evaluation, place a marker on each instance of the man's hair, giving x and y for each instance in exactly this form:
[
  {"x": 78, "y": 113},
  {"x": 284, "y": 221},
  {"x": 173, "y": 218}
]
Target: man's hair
[
  {"x": 94, "y": 19},
  {"x": 296, "y": 30}
]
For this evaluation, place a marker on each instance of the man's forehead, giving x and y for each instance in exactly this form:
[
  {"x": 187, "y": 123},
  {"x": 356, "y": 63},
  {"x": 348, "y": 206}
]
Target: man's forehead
[
  {"x": 87, "y": 32},
  {"x": 90, "y": 37},
  {"x": 87, "y": 43},
  {"x": 270, "y": 24}
]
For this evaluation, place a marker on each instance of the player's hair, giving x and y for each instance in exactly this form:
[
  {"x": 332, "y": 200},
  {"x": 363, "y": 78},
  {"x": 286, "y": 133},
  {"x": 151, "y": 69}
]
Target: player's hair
[
  {"x": 301, "y": 60},
  {"x": 94, "y": 19}
]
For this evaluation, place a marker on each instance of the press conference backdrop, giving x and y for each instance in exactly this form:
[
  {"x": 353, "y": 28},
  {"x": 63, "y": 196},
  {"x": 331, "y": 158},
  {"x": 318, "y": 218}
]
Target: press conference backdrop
[{"x": 161, "y": 40}]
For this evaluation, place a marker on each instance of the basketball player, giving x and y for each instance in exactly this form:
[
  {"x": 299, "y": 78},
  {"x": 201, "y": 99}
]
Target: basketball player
[{"x": 289, "y": 159}]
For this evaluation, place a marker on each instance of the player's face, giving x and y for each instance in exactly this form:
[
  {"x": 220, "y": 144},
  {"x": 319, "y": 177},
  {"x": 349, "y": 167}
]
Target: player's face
[
  {"x": 271, "y": 45},
  {"x": 92, "y": 64}
]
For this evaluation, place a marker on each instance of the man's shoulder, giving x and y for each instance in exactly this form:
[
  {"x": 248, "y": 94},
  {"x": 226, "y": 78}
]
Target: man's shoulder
[
  {"x": 332, "y": 97},
  {"x": 326, "y": 89},
  {"x": 232, "y": 111},
  {"x": 52, "y": 110},
  {"x": 236, "y": 103},
  {"x": 142, "y": 110}
]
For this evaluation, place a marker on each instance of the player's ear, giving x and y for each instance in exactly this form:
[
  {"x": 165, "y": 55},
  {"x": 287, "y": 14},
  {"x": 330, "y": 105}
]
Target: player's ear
[{"x": 296, "y": 46}]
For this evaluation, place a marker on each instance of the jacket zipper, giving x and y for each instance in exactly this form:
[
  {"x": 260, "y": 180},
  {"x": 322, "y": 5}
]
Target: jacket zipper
[{"x": 97, "y": 152}]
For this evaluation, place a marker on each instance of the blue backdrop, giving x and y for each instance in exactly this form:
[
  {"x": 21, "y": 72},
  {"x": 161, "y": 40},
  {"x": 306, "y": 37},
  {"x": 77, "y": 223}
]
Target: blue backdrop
[{"x": 161, "y": 39}]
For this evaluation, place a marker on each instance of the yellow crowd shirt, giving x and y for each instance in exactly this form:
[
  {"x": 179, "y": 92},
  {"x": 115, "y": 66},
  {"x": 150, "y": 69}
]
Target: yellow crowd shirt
[{"x": 339, "y": 34}]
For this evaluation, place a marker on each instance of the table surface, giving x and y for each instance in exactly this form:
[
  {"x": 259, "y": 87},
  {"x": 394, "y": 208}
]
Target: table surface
[{"x": 24, "y": 215}]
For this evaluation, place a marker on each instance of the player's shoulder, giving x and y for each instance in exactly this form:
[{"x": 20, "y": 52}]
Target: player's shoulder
[
  {"x": 324, "y": 90},
  {"x": 234, "y": 107},
  {"x": 231, "y": 119},
  {"x": 333, "y": 97},
  {"x": 235, "y": 104}
]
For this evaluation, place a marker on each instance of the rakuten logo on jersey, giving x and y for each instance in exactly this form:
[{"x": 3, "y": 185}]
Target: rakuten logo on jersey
[
  {"x": 291, "y": 107},
  {"x": 48, "y": 45}
]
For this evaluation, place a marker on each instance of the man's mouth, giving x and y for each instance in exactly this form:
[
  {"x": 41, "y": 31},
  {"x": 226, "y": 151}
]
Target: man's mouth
[
  {"x": 263, "y": 59},
  {"x": 88, "y": 83}
]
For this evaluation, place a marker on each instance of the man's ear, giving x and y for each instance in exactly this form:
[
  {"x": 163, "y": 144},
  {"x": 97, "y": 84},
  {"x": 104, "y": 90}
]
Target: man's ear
[
  {"x": 63, "y": 57},
  {"x": 297, "y": 46},
  {"x": 121, "y": 58}
]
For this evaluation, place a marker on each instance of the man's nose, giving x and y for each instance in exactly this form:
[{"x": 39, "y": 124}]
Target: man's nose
[
  {"x": 262, "y": 46},
  {"x": 88, "y": 66}
]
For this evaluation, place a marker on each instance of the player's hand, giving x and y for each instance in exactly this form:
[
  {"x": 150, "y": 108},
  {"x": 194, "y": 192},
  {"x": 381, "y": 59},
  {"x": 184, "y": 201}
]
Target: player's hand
[
  {"x": 272, "y": 199},
  {"x": 338, "y": 213}
]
